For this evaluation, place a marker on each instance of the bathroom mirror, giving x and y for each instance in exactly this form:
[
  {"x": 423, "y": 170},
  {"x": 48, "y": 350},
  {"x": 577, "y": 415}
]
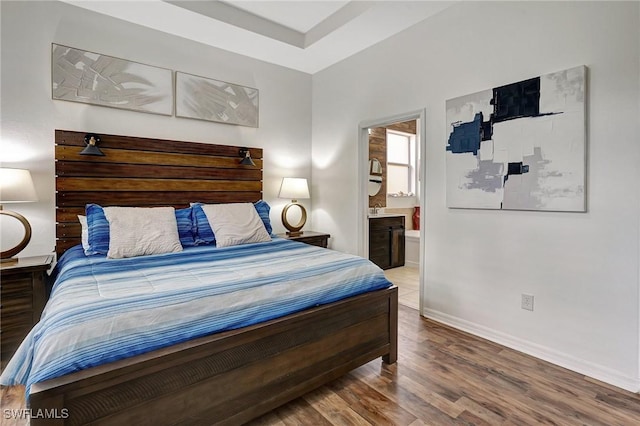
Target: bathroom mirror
[{"x": 375, "y": 176}]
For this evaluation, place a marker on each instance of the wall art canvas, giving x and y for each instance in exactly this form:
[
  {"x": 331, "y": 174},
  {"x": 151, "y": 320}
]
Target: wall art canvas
[
  {"x": 521, "y": 146},
  {"x": 212, "y": 100},
  {"x": 81, "y": 76}
]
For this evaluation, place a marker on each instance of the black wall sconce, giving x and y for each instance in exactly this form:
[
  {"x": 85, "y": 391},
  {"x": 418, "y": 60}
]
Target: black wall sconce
[
  {"x": 246, "y": 157},
  {"x": 92, "y": 140}
]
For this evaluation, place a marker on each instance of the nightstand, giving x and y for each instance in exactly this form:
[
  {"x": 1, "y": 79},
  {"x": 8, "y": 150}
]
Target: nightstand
[
  {"x": 23, "y": 296},
  {"x": 319, "y": 239}
]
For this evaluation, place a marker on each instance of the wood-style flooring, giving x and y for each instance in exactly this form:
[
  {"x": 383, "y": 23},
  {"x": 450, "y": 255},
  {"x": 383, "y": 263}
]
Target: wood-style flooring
[{"x": 447, "y": 377}]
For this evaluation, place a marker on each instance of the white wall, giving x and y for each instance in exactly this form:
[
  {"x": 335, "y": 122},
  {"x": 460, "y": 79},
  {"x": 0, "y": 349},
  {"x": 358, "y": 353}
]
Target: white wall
[
  {"x": 582, "y": 268},
  {"x": 29, "y": 116}
]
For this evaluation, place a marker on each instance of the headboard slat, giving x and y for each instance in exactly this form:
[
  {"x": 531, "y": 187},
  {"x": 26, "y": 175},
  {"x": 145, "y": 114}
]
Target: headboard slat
[
  {"x": 144, "y": 172},
  {"x": 68, "y": 230},
  {"x": 70, "y": 138},
  {"x": 161, "y": 185},
  {"x": 142, "y": 198},
  {"x": 127, "y": 156},
  {"x": 80, "y": 169}
]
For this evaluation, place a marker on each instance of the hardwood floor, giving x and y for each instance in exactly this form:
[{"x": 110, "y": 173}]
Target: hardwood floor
[{"x": 446, "y": 377}]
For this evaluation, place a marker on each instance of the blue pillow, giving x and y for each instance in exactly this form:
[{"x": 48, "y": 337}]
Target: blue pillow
[
  {"x": 185, "y": 227},
  {"x": 263, "y": 211},
  {"x": 204, "y": 233},
  {"x": 98, "y": 228}
]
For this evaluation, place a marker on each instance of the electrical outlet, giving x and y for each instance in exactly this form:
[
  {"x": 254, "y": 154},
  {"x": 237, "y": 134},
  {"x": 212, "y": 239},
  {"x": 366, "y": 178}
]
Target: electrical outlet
[{"x": 527, "y": 302}]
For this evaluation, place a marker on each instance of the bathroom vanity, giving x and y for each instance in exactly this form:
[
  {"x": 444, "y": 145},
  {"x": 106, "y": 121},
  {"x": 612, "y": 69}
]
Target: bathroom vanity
[{"x": 386, "y": 240}]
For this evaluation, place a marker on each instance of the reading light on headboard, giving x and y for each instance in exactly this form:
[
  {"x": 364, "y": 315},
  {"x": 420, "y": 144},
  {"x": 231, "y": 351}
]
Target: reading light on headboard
[
  {"x": 92, "y": 140},
  {"x": 246, "y": 157}
]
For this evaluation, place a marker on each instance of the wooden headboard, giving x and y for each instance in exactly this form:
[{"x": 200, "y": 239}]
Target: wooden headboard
[{"x": 146, "y": 172}]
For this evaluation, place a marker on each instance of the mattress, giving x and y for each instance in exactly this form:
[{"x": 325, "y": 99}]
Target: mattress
[{"x": 102, "y": 310}]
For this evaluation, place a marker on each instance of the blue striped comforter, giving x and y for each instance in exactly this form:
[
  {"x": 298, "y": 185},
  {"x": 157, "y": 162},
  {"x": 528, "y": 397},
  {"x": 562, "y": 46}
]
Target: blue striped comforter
[{"x": 102, "y": 310}]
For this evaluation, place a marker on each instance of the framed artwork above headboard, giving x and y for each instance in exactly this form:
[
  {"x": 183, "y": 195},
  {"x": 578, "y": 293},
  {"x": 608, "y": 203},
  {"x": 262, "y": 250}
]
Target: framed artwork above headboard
[{"x": 145, "y": 172}]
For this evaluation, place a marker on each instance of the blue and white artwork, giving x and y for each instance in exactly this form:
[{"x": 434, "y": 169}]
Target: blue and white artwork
[{"x": 520, "y": 146}]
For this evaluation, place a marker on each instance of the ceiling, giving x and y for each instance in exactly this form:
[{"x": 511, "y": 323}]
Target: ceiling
[{"x": 305, "y": 35}]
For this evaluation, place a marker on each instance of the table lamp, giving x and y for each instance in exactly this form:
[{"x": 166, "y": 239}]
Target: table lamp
[
  {"x": 16, "y": 186},
  {"x": 294, "y": 189}
]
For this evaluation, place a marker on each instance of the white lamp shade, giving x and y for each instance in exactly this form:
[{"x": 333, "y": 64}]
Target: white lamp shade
[
  {"x": 16, "y": 186},
  {"x": 294, "y": 188}
]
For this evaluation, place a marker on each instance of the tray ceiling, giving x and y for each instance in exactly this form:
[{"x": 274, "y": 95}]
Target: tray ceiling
[{"x": 303, "y": 35}]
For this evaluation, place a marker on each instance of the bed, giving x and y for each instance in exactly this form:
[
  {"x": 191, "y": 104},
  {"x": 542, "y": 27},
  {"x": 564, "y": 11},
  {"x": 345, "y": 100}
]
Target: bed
[{"x": 226, "y": 377}]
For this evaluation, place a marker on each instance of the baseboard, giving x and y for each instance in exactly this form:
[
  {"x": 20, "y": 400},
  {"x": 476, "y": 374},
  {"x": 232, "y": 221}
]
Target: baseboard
[
  {"x": 411, "y": 264},
  {"x": 595, "y": 371}
]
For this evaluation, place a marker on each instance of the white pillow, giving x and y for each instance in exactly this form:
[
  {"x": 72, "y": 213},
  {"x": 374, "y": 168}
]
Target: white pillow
[
  {"x": 139, "y": 231},
  {"x": 235, "y": 223},
  {"x": 85, "y": 232}
]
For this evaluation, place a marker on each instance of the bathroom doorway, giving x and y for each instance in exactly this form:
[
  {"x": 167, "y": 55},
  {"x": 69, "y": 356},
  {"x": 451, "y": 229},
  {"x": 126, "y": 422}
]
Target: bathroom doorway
[{"x": 396, "y": 189}]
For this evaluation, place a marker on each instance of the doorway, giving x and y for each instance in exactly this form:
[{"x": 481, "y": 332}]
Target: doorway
[{"x": 408, "y": 278}]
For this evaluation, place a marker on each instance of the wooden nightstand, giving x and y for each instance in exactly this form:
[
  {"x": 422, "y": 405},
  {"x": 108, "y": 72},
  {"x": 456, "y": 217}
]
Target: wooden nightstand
[
  {"x": 23, "y": 296},
  {"x": 319, "y": 239}
]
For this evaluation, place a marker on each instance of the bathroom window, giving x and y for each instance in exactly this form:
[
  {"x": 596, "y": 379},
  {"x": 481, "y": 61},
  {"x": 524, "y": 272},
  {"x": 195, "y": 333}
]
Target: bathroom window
[{"x": 401, "y": 163}]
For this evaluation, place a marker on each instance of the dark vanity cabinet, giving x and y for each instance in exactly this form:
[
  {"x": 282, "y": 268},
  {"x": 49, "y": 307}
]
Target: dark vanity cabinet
[{"x": 386, "y": 241}]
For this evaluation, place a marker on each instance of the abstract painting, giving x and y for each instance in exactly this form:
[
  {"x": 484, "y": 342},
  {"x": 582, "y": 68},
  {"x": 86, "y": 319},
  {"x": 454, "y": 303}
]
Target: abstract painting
[
  {"x": 213, "y": 100},
  {"x": 82, "y": 76},
  {"x": 520, "y": 146}
]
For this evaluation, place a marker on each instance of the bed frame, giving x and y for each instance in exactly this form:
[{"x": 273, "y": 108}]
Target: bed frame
[{"x": 225, "y": 378}]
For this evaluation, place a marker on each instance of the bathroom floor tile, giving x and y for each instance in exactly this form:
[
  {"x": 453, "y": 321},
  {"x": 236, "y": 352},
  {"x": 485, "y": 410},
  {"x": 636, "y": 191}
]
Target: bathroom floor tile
[{"x": 407, "y": 279}]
